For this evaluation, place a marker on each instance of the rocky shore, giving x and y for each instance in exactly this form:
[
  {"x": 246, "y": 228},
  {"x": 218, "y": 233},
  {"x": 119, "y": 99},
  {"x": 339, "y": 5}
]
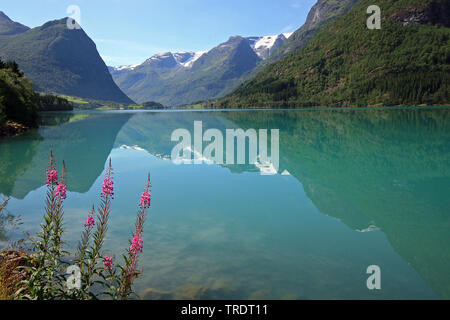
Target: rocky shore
[{"x": 12, "y": 129}]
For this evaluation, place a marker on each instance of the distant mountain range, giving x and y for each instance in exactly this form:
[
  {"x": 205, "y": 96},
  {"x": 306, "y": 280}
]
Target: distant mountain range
[
  {"x": 327, "y": 61},
  {"x": 166, "y": 78},
  {"x": 63, "y": 61},
  {"x": 165, "y": 59},
  {"x": 185, "y": 77},
  {"x": 59, "y": 60}
]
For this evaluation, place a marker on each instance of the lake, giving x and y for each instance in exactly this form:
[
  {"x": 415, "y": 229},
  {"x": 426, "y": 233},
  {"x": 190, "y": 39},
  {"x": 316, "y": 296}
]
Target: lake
[{"x": 359, "y": 187}]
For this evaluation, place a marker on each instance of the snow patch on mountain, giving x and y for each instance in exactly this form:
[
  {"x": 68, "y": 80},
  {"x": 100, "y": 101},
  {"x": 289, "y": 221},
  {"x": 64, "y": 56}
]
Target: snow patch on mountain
[
  {"x": 195, "y": 57},
  {"x": 184, "y": 59},
  {"x": 263, "y": 46},
  {"x": 187, "y": 58},
  {"x": 126, "y": 67}
]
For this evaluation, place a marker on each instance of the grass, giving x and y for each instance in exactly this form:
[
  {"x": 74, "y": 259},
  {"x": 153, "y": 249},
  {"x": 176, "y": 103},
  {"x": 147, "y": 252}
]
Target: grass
[
  {"x": 86, "y": 104},
  {"x": 10, "y": 275},
  {"x": 6, "y": 283},
  {"x": 196, "y": 106},
  {"x": 135, "y": 107},
  {"x": 74, "y": 99},
  {"x": 106, "y": 108}
]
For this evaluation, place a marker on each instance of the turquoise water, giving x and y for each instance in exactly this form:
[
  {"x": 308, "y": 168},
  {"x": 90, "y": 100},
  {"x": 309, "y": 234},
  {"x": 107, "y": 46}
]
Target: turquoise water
[{"x": 360, "y": 187}]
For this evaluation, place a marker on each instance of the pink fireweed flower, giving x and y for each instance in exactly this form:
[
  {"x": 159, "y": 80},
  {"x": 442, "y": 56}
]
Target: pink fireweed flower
[
  {"x": 136, "y": 244},
  {"x": 61, "y": 191},
  {"x": 107, "y": 262},
  {"x": 108, "y": 188},
  {"x": 52, "y": 176},
  {"x": 108, "y": 183},
  {"x": 90, "y": 222},
  {"x": 145, "y": 199}
]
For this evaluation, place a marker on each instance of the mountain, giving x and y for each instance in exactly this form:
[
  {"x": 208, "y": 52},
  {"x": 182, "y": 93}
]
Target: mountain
[
  {"x": 185, "y": 77},
  {"x": 9, "y": 27},
  {"x": 70, "y": 136},
  {"x": 406, "y": 62},
  {"x": 180, "y": 59},
  {"x": 321, "y": 14},
  {"x": 177, "y": 85},
  {"x": 60, "y": 60}
]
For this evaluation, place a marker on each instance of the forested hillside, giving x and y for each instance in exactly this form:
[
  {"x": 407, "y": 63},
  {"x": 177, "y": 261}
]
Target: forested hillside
[{"x": 406, "y": 62}]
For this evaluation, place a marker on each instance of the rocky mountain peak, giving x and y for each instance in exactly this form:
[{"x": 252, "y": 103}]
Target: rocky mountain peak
[{"x": 9, "y": 27}]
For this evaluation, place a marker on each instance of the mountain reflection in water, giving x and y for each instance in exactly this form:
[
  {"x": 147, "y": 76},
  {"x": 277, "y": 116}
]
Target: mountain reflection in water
[{"x": 363, "y": 187}]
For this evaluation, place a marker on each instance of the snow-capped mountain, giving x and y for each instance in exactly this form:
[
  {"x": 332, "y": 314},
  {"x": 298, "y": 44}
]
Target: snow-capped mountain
[
  {"x": 263, "y": 46},
  {"x": 183, "y": 59}
]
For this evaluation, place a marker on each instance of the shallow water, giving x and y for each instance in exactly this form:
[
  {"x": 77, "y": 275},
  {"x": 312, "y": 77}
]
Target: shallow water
[{"x": 360, "y": 187}]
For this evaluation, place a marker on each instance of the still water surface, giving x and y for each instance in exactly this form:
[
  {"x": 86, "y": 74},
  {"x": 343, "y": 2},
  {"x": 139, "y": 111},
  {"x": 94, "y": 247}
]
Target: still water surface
[{"x": 361, "y": 187}]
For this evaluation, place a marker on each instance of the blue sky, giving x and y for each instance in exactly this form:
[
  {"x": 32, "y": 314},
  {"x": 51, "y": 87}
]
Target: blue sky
[{"x": 130, "y": 31}]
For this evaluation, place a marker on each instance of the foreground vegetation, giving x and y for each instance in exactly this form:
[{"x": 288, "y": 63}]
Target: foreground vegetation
[{"x": 45, "y": 271}]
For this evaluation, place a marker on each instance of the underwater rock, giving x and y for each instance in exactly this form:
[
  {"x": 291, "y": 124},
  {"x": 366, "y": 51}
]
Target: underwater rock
[
  {"x": 291, "y": 296},
  {"x": 259, "y": 295},
  {"x": 155, "y": 294},
  {"x": 190, "y": 291}
]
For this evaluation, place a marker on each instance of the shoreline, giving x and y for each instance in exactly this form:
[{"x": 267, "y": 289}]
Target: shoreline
[
  {"x": 13, "y": 129},
  {"x": 265, "y": 109}
]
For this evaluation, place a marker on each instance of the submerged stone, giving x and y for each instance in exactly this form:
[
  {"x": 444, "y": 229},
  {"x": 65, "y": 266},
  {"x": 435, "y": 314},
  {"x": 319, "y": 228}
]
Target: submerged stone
[{"x": 155, "y": 294}]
